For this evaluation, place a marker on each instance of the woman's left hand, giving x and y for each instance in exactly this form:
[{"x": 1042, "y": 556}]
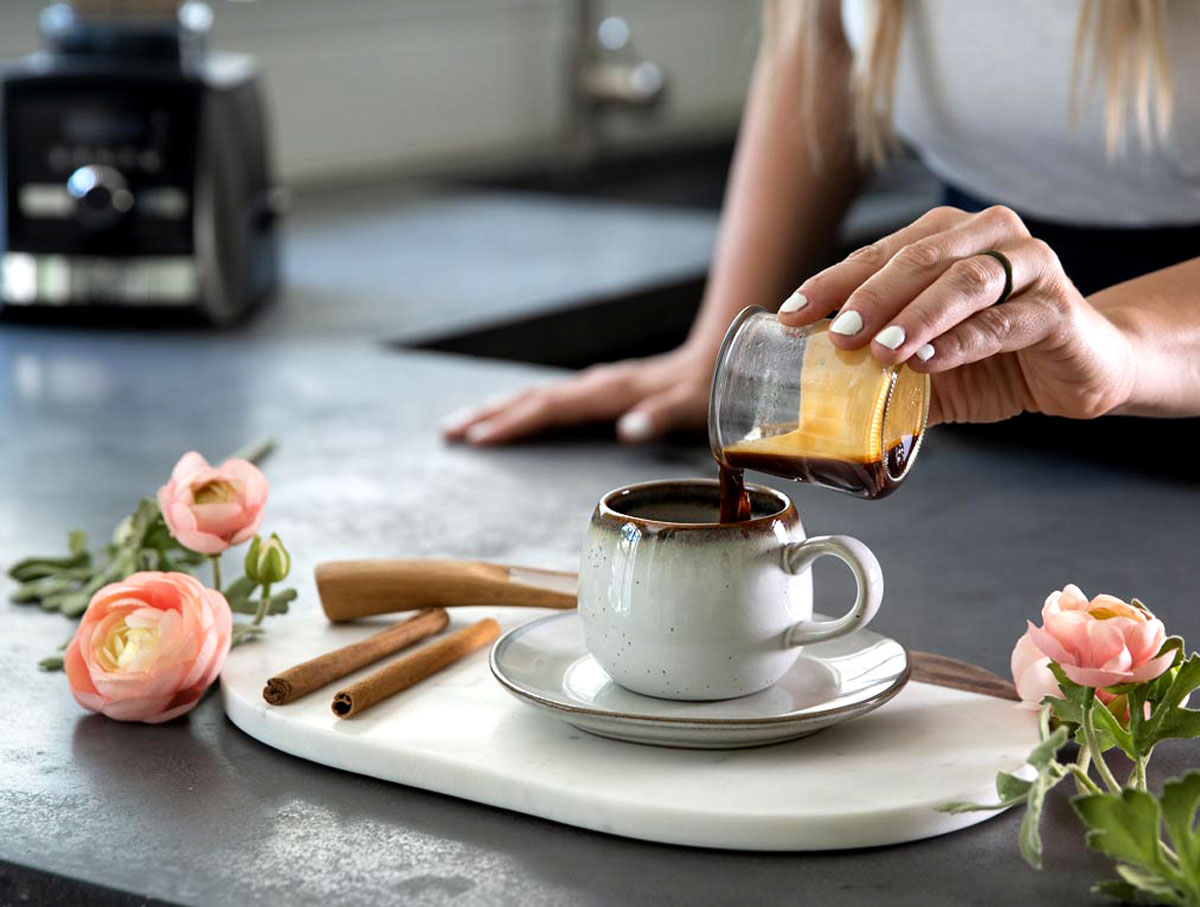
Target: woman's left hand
[{"x": 927, "y": 295}]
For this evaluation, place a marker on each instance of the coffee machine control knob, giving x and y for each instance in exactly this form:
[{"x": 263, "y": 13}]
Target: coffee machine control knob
[{"x": 101, "y": 194}]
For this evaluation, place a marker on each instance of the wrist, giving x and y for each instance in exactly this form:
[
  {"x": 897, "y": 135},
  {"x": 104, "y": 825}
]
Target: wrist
[
  {"x": 701, "y": 347},
  {"x": 1138, "y": 396}
]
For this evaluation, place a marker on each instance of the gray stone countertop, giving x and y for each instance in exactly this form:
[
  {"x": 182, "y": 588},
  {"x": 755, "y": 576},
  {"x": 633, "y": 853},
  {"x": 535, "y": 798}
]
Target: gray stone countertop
[
  {"x": 408, "y": 263},
  {"x": 198, "y": 813}
]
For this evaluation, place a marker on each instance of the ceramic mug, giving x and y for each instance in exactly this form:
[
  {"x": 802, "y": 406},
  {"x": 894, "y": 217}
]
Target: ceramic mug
[{"x": 679, "y": 606}]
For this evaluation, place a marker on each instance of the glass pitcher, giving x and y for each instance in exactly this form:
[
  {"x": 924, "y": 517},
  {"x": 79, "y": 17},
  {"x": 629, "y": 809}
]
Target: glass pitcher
[{"x": 786, "y": 401}]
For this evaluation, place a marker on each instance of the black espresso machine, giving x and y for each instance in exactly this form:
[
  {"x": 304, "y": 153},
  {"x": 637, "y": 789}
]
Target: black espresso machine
[{"x": 134, "y": 168}]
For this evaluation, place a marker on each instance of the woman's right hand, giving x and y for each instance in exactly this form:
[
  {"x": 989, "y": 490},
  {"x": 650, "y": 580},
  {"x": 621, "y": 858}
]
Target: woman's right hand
[{"x": 646, "y": 397}]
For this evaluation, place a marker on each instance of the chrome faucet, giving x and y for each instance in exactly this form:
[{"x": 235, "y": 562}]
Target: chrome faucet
[{"x": 605, "y": 73}]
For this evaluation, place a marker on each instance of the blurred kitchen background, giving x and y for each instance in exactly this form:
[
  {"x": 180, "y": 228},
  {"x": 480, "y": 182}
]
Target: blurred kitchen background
[{"x": 525, "y": 179}]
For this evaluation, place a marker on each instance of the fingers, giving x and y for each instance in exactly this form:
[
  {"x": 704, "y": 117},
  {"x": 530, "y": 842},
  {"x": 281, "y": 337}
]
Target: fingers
[
  {"x": 967, "y": 286},
  {"x": 598, "y": 393},
  {"x": 827, "y": 291},
  {"x": 456, "y": 425},
  {"x": 1006, "y": 328},
  {"x": 656, "y": 416},
  {"x": 921, "y": 264}
]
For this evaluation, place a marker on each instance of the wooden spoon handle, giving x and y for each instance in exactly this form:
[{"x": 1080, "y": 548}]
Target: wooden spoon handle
[
  {"x": 351, "y": 589},
  {"x": 959, "y": 675}
]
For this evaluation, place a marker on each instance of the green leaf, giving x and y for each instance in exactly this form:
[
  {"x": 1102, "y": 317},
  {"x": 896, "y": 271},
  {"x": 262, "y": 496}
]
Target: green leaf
[
  {"x": 1123, "y": 826},
  {"x": 1069, "y": 710},
  {"x": 77, "y": 542},
  {"x": 244, "y": 633},
  {"x": 1168, "y": 717},
  {"x": 966, "y": 806},
  {"x": 74, "y": 604},
  {"x": 1147, "y": 888},
  {"x": 1069, "y": 707},
  {"x": 256, "y": 451},
  {"x": 240, "y": 588},
  {"x": 1029, "y": 836},
  {"x": 1109, "y": 730},
  {"x": 37, "y": 589},
  {"x": 278, "y": 603},
  {"x": 1129, "y": 894},
  {"x": 1010, "y": 788},
  {"x": 51, "y": 663},
  {"x": 1013, "y": 790},
  {"x": 1051, "y": 742},
  {"x": 32, "y": 568},
  {"x": 1180, "y": 799}
]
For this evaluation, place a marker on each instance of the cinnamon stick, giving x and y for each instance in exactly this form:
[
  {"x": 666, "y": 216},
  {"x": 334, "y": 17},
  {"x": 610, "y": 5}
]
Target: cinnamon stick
[
  {"x": 404, "y": 672},
  {"x": 315, "y": 673}
]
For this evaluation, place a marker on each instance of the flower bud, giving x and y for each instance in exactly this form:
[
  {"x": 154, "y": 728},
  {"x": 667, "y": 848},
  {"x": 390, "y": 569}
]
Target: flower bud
[{"x": 267, "y": 562}]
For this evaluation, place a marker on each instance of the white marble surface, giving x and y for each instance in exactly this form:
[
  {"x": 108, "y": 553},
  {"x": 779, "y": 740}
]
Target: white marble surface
[{"x": 872, "y": 781}]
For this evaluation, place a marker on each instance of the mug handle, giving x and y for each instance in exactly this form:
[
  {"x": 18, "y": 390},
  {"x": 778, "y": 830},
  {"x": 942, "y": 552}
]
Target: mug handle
[{"x": 798, "y": 556}]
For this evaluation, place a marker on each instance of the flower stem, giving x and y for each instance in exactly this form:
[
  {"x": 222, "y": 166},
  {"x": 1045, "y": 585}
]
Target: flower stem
[
  {"x": 1083, "y": 783},
  {"x": 216, "y": 564},
  {"x": 1079, "y": 769},
  {"x": 1140, "y": 776},
  {"x": 1089, "y": 735},
  {"x": 263, "y": 602}
]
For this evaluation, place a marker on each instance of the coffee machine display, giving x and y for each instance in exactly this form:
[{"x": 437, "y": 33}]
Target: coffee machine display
[{"x": 135, "y": 170}]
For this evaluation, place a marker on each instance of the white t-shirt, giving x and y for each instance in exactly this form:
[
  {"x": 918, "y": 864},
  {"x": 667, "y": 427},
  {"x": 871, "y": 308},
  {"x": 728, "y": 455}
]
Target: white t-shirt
[{"x": 982, "y": 94}]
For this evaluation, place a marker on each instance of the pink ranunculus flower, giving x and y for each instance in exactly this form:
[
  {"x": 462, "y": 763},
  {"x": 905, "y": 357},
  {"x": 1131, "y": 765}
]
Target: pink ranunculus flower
[
  {"x": 1097, "y": 643},
  {"x": 1031, "y": 673},
  {"x": 208, "y": 508},
  {"x": 148, "y": 647}
]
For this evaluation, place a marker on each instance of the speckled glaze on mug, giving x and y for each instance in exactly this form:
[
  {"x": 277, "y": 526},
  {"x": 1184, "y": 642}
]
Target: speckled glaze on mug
[{"x": 678, "y": 606}]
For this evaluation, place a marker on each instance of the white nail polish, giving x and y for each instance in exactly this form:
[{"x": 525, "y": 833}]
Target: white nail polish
[
  {"x": 891, "y": 336},
  {"x": 925, "y": 352},
  {"x": 635, "y": 427},
  {"x": 794, "y": 303},
  {"x": 457, "y": 419},
  {"x": 480, "y": 432},
  {"x": 847, "y": 324}
]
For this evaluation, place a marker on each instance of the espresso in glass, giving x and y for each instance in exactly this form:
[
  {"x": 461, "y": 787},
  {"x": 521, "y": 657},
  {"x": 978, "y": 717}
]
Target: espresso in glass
[{"x": 785, "y": 401}]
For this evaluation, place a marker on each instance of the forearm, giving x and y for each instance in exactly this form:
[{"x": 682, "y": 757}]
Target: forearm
[
  {"x": 786, "y": 193},
  {"x": 1159, "y": 313}
]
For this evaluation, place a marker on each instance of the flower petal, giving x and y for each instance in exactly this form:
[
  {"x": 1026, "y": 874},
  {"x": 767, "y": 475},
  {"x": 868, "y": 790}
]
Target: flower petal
[
  {"x": 178, "y": 706},
  {"x": 78, "y": 678},
  {"x": 1153, "y": 668},
  {"x": 1095, "y": 677},
  {"x": 1053, "y": 649},
  {"x": 219, "y": 519},
  {"x": 1145, "y": 639},
  {"x": 139, "y": 708},
  {"x": 189, "y": 464},
  {"x": 1105, "y": 640},
  {"x": 255, "y": 487}
]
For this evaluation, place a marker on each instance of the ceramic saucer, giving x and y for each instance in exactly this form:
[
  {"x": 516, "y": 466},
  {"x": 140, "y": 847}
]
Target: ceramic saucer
[{"x": 545, "y": 665}]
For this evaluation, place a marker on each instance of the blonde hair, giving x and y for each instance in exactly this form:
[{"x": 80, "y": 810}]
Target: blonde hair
[{"x": 1123, "y": 39}]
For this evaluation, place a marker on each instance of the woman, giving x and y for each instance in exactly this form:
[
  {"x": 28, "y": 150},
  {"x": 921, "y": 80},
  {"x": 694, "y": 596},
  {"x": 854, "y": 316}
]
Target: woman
[{"x": 1075, "y": 115}]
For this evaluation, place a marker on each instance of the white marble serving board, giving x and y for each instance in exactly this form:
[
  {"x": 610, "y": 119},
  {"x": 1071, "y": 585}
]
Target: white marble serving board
[{"x": 875, "y": 780}]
